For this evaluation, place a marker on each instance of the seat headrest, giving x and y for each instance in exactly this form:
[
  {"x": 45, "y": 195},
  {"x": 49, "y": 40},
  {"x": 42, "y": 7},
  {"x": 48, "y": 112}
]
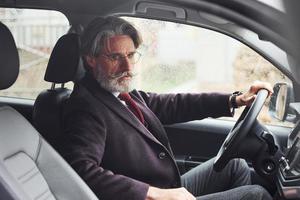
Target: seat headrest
[
  {"x": 9, "y": 58},
  {"x": 64, "y": 63}
]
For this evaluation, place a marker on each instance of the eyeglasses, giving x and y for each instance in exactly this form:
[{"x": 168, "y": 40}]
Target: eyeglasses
[{"x": 117, "y": 58}]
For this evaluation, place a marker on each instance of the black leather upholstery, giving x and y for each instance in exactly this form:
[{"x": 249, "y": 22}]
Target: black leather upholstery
[
  {"x": 64, "y": 65},
  {"x": 9, "y": 58},
  {"x": 47, "y": 115}
]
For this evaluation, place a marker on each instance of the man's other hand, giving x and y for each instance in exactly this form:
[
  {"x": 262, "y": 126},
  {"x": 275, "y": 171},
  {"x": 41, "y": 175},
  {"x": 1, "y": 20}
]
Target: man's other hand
[
  {"x": 248, "y": 97},
  {"x": 169, "y": 194}
]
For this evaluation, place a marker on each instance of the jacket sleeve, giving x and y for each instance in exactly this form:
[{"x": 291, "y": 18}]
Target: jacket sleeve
[
  {"x": 83, "y": 147},
  {"x": 176, "y": 108}
]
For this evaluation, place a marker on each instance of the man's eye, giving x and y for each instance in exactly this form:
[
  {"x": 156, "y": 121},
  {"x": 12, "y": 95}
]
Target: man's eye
[
  {"x": 131, "y": 55},
  {"x": 115, "y": 57}
]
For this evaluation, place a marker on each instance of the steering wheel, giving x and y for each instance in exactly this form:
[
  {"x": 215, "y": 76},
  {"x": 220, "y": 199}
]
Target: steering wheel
[{"x": 240, "y": 130}]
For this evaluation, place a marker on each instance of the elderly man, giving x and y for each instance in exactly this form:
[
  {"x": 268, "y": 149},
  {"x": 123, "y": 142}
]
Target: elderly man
[{"x": 114, "y": 137}]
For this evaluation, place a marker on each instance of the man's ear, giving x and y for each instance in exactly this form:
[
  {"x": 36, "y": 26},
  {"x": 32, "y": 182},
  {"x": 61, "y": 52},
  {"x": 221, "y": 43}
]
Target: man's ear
[{"x": 91, "y": 61}]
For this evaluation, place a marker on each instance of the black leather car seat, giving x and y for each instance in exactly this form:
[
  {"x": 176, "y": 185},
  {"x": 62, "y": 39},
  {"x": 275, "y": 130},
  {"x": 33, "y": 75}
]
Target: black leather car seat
[
  {"x": 29, "y": 167},
  {"x": 63, "y": 67}
]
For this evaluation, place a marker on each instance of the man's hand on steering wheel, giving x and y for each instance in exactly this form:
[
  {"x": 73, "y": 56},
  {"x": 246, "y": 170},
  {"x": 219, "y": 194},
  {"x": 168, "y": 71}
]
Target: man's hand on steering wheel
[
  {"x": 248, "y": 97},
  {"x": 241, "y": 134}
]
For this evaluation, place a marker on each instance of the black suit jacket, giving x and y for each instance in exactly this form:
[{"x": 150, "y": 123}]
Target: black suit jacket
[{"x": 113, "y": 152}]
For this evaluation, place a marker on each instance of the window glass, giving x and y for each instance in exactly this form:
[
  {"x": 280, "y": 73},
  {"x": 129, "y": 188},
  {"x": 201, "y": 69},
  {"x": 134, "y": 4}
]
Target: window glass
[
  {"x": 182, "y": 58},
  {"x": 35, "y": 33}
]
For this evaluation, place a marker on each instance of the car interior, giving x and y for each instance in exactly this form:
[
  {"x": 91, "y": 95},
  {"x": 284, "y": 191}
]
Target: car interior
[
  {"x": 25, "y": 154},
  {"x": 48, "y": 104},
  {"x": 31, "y": 168}
]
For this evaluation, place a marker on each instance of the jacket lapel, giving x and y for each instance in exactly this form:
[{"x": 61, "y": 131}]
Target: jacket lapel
[
  {"x": 154, "y": 125},
  {"x": 116, "y": 106}
]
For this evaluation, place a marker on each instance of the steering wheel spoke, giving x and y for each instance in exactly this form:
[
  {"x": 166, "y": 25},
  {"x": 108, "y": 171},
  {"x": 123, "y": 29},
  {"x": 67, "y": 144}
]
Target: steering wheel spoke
[{"x": 240, "y": 130}]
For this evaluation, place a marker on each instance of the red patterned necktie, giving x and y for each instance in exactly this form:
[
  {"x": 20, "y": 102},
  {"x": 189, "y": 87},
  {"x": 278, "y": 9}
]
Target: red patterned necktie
[{"x": 132, "y": 106}]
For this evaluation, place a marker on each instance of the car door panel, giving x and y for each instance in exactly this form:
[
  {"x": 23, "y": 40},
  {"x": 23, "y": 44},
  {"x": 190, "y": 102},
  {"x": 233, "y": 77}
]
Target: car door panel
[{"x": 197, "y": 141}]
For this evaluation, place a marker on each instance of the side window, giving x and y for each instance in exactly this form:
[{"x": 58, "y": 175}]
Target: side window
[
  {"x": 35, "y": 33},
  {"x": 182, "y": 58}
]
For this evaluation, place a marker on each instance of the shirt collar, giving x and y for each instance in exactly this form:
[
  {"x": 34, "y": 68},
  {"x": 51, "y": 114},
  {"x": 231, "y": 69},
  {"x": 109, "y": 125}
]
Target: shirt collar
[{"x": 116, "y": 94}]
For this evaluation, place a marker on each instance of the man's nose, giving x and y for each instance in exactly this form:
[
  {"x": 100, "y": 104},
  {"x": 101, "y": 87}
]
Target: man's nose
[{"x": 126, "y": 64}]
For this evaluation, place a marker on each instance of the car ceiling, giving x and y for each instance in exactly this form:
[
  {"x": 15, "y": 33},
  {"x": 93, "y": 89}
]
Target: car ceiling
[
  {"x": 68, "y": 6},
  {"x": 241, "y": 12},
  {"x": 237, "y": 14}
]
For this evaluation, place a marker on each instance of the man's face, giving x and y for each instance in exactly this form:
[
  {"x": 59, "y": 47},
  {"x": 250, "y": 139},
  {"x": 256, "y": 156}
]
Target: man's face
[{"x": 113, "y": 67}]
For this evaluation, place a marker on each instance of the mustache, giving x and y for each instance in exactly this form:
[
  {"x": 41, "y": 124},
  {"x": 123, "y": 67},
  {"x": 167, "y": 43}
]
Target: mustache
[{"x": 122, "y": 74}]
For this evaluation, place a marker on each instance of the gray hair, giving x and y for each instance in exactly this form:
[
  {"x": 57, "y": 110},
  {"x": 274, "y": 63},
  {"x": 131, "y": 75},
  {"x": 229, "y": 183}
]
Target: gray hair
[{"x": 101, "y": 28}]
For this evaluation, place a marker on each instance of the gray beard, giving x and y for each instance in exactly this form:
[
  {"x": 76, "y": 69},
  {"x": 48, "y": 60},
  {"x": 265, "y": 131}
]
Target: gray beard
[{"x": 111, "y": 84}]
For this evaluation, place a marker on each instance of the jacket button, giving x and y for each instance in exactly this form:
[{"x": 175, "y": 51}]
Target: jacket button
[{"x": 162, "y": 155}]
